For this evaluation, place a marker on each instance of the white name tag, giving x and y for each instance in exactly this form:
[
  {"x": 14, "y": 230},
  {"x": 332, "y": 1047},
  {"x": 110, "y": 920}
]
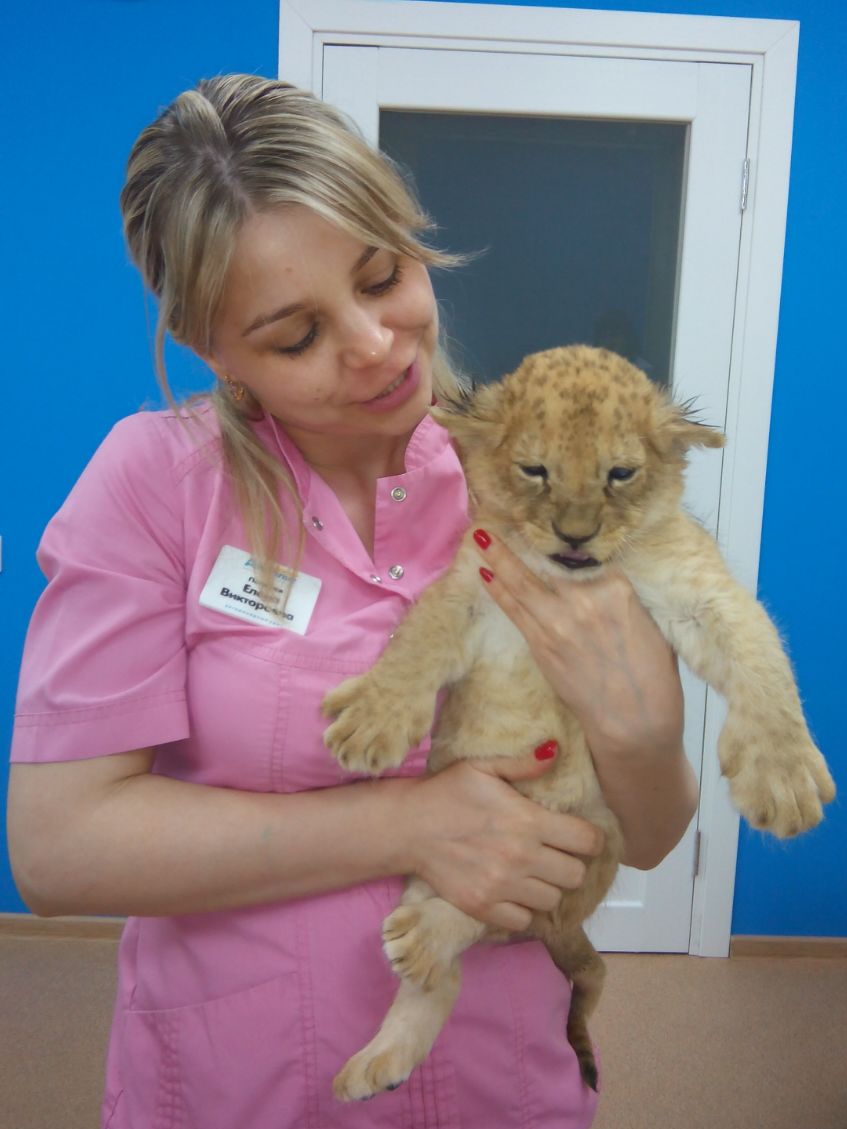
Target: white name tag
[{"x": 233, "y": 588}]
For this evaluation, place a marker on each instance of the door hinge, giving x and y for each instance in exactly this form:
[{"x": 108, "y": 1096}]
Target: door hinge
[
  {"x": 745, "y": 183},
  {"x": 698, "y": 843}
]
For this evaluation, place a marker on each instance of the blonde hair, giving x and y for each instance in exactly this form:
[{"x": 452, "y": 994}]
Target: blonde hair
[{"x": 233, "y": 146}]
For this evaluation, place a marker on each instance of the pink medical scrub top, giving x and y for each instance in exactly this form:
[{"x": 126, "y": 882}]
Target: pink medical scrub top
[{"x": 240, "y": 1019}]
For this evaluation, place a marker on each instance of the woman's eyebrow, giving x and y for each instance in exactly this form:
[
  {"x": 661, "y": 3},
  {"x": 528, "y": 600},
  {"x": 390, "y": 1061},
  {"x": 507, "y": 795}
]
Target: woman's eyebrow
[
  {"x": 296, "y": 307},
  {"x": 266, "y": 319},
  {"x": 365, "y": 257}
]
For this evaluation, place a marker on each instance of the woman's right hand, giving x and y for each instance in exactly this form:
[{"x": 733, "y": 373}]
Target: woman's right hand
[{"x": 490, "y": 851}]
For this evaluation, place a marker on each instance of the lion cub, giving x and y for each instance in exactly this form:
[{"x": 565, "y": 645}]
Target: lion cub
[{"x": 576, "y": 461}]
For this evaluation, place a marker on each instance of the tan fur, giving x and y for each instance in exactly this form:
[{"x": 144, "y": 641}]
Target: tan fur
[{"x": 577, "y": 412}]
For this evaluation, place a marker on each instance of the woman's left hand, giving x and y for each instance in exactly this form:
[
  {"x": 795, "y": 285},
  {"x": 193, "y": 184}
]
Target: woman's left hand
[
  {"x": 605, "y": 657},
  {"x": 598, "y": 648}
]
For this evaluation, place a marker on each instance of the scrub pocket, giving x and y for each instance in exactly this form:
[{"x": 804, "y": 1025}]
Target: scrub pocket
[
  {"x": 540, "y": 997},
  {"x": 300, "y": 757},
  {"x": 229, "y": 1062},
  {"x": 507, "y": 1037}
]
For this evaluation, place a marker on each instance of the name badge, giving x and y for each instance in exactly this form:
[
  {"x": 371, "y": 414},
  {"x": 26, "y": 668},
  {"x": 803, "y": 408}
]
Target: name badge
[{"x": 233, "y": 588}]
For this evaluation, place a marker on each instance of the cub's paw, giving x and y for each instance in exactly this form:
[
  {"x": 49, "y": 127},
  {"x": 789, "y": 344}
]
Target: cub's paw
[
  {"x": 379, "y": 1066},
  {"x": 781, "y": 788},
  {"x": 415, "y": 943},
  {"x": 370, "y": 733}
]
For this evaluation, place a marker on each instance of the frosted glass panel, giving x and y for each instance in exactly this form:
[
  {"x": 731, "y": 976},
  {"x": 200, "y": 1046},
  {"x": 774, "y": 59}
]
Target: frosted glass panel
[{"x": 577, "y": 222}]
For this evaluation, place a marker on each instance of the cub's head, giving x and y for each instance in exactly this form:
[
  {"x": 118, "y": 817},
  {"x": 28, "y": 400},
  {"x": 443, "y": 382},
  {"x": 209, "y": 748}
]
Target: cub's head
[{"x": 574, "y": 454}]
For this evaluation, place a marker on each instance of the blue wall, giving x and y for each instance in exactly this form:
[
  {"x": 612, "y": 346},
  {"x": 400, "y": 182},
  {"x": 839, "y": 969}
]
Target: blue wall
[
  {"x": 800, "y": 888},
  {"x": 82, "y": 79}
]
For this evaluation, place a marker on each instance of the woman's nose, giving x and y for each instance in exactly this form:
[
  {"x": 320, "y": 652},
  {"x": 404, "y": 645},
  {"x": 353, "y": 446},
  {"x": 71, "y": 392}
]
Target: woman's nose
[{"x": 366, "y": 342}]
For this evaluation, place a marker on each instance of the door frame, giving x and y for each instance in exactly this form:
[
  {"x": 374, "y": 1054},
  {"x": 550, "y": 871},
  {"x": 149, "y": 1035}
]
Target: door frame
[{"x": 770, "y": 48}]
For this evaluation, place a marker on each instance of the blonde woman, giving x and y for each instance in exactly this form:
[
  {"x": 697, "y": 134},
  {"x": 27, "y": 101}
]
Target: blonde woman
[{"x": 168, "y": 756}]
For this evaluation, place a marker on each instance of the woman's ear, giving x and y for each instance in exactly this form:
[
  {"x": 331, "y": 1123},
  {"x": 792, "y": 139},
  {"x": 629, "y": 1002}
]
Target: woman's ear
[{"x": 217, "y": 367}]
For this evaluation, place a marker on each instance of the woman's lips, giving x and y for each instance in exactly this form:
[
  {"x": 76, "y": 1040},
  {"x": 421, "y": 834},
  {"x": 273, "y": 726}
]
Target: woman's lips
[
  {"x": 394, "y": 384},
  {"x": 398, "y": 392}
]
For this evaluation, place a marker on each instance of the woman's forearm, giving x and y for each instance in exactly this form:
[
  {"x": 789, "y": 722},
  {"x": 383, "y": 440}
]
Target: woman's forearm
[
  {"x": 150, "y": 845},
  {"x": 653, "y": 793},
  {"x": 105, "y": 836}
]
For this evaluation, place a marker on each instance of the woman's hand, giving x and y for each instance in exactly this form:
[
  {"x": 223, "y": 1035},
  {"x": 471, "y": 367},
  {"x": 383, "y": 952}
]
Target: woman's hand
[
  {"x": 604, "y": 656},
  {"x": 490, "y": 851},
  {"x": 598, "y": 648}
]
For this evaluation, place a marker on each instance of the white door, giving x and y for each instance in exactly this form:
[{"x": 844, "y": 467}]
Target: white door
[{"x": 682, "y": 126}]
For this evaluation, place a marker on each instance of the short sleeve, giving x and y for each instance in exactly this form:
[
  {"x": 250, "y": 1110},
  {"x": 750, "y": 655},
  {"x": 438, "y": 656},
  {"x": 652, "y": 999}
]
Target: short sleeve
[{"x": 104, "y": 661}]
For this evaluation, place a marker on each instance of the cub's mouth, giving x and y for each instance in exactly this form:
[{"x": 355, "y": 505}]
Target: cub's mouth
[{"x": 574, "y": 559}]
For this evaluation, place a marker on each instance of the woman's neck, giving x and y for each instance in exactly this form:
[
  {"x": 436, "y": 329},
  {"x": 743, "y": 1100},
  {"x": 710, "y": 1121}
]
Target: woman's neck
[
  {"x": 351, "y": 466},
  {"x": 352, "y": 457}
]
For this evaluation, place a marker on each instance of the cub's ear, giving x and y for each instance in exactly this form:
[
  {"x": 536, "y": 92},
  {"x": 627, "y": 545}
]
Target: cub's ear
[
  {"x": 676, "y": 429},
  {"x": 473, "y": 418}
]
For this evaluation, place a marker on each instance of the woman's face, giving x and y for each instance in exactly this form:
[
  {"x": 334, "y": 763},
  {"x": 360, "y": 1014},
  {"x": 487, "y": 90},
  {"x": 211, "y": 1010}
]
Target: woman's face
[{"x": 332, "y": 337}]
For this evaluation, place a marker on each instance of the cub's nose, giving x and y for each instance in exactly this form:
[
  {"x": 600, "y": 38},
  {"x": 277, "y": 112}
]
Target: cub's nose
[{"x": 571, "y": 539}]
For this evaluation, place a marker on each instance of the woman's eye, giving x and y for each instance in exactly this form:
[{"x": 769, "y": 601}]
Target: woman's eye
[
  {"x": 533, "y": 471},
  {"x": 621, "y": 473},
  {"x": 301, "y": 345},
  {"x": 387, "y": 283}
]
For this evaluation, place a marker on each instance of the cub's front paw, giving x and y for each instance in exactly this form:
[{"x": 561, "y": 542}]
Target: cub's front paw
[
  {"x": 779, "y": 786},
  {"x": 373, "y": 729}
]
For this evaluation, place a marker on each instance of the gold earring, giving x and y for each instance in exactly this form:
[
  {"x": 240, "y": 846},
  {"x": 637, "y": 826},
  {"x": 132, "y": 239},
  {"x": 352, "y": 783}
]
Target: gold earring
[{"x": 235, "y": 390}]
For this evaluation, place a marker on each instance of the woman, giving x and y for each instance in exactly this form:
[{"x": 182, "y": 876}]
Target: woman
[{"x": 168, "y": 755}]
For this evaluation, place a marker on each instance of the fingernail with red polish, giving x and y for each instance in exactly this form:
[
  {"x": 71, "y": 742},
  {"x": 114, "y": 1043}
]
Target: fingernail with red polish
[
  {"x": 486, "y": 574},
  {"x": 482, "y": 539},
  {"x": 546, "y": 751}
]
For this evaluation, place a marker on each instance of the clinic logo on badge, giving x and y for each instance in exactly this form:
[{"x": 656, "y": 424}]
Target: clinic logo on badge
[{"x": 283, "y": 574}]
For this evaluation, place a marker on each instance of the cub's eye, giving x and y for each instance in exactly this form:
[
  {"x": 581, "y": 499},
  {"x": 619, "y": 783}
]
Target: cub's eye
[
  {"x": 621, "y": 473},
  {"x": 534, "y": 471}
]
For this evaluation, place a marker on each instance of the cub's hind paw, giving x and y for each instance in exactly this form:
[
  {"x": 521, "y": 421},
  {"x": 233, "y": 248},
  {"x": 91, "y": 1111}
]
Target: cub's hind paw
[
  {"x": 373, "y": 1070},
  {"x": 414, "y": 948}
]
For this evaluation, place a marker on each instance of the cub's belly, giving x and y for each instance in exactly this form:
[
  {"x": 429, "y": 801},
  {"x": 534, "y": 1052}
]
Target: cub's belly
[
  {"x": 504, "y": 706},
  {"x": 491, "y": 715},
  {"x": 493, "y": 712}
]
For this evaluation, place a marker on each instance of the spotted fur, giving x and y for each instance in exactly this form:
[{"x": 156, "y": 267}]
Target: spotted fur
[{"x": 576, "y": 461}]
